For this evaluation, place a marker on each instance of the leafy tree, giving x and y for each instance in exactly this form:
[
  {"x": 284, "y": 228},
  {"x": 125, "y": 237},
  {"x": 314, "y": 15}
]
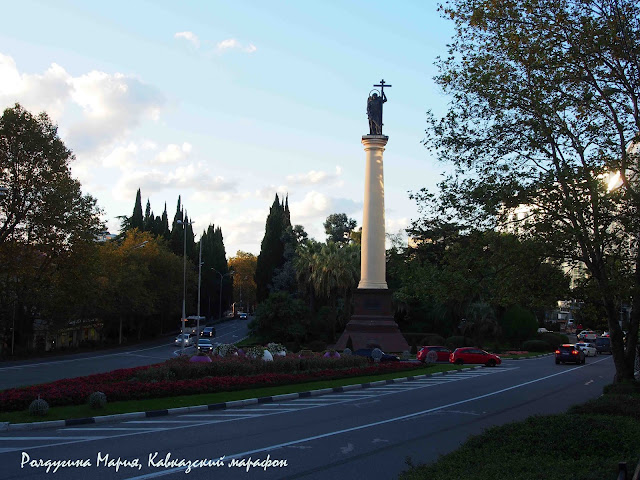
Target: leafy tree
[
  {"x": 244, "y": 286},
  {"x": 544, "y": 105},
  {"x": 280, "y": 318},
  {"x": 43, "y": 205},
  {"x": 338, "y": 228},
  {"x": 45, "y": 221},
  {"x": 141, "y": 285}
]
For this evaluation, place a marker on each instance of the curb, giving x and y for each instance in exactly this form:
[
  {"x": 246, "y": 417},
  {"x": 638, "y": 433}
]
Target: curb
[{"x": 6, "y": 426}]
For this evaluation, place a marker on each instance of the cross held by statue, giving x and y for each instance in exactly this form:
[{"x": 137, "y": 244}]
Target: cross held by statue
[{"x": 382, "y": 85}]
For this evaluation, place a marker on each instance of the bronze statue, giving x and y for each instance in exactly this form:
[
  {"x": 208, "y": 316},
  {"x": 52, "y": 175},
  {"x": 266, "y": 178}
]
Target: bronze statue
[{"x": 374, "y": 110}]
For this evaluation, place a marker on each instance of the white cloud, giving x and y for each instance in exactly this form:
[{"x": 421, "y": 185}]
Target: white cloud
[
  {"x": 314, "y": 177},
  {"x": 269, "y": 193},
  {"x": 46, "y": 92},
  {"x": 174, "y": 153},
  {"x": 112, "y": 105},
  {"x": 96, "y": 108},
  {"x": 121, "y": 157},
  {"x": 233, "y": 44},
  {"x": 190, "y": 37},
  {"x": 193, "y": 178}
]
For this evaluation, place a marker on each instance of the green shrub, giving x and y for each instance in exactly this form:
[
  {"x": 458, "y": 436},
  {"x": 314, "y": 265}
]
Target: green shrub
[
  {"x": 553, "y": 339},
  {"x": 623, "y": 388},
  {"x": 611, "y": 404},
  {"x": 97, "y": 400},
  {"x": 38, "y": 408},
  {"x": 536, "y": 346},
  {"x": 540, "y": 447}
]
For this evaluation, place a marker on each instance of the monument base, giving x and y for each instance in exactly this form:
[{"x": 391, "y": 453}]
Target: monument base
[{"x": 372, "y": 323}]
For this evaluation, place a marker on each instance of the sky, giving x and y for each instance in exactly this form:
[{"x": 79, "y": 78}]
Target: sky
[{"x": 226, "y": 104}]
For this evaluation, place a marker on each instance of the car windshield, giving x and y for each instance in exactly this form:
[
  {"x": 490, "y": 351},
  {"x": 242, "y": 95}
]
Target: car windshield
[
  {"x": 204, "y": 342},
  {"x": 566, "y": 348}
]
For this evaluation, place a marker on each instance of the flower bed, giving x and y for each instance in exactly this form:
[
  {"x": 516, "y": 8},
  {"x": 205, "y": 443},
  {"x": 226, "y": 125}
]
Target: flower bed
[{"x": 181, "y": 377}]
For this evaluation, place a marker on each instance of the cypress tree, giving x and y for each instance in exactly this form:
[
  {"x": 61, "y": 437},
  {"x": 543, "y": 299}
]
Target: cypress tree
[
  {"x": 148, "y": 218},
  {"x": 137, "y": 220},
  {"x": 176, "y": 231},
  {"x": 163, "y": 229},
  {"x": 271, "y": 249}
]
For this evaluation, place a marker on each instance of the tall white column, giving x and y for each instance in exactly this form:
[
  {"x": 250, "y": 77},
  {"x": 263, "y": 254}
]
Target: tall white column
[{"x": 372, "y": 264}]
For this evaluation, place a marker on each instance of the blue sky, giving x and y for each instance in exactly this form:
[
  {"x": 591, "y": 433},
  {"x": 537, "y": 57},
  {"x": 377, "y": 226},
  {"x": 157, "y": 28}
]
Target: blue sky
[{"x": 227, "y": 103}]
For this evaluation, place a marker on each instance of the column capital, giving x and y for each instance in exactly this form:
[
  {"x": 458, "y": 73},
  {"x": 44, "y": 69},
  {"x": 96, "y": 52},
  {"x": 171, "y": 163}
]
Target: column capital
[{"x": 377, "y": 140}]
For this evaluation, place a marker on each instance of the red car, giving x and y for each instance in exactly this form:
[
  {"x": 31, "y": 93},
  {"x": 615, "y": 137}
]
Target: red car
[
  {"x": 442, "y": 354},
  {"x": 464, "y": 355}
]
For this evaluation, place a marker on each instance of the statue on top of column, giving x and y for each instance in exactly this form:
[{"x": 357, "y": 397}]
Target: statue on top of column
[{"x": 374, "y": 109}]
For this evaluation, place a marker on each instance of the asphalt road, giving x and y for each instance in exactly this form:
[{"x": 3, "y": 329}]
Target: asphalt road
[
  {"x": 363, "y": 433},
  {"x": 32, "y": 372}
]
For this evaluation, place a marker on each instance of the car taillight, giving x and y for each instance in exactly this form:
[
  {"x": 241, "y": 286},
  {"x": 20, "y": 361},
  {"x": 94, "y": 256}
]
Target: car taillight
[
  {"x": 557, "y": 352},
  {"x": 575, "y": 352}
]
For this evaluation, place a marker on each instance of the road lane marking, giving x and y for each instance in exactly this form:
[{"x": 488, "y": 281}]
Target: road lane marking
[
  {"x": 46, "y": 438},
  {"x": 93, "y": 429},
  {"x": 368, "y": 425},
  {"x": 589, "y": 382}
]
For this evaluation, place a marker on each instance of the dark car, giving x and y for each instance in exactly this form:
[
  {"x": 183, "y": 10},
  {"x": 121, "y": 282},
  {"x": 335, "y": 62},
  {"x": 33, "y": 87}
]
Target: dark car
[
  {"x": 569, "y": 353},
  {"x": 441, "y": 354},
  {"x": 603, "y": 345},
  {"x": 366, "y": 352},
  {"x": 460, "y": 356},
  {"x": 208, "y": 332},
  {"x": 205, "y": 345}
]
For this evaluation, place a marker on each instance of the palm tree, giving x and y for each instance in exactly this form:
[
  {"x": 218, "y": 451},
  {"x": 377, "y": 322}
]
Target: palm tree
[{"x": 334, "y": 270}]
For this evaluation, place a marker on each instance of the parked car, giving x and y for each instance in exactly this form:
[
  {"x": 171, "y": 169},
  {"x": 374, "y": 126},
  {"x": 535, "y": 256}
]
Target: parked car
[
  {"x": 589, "y": 349},
  {"x": 569, "y": 353},
  {"x": 205, "y": 345},
  {"x": 243, "y": 315},
  {"x": 208, "y": 332},
  {"x": 386, "y": 357},
  {"x": 603, "y": 345},
  {"x": 542, "y": 330},
  {"x": 442, "y": 353},
  {"x": 184, "y": 338},
  {"x": 464, "y": 355}
]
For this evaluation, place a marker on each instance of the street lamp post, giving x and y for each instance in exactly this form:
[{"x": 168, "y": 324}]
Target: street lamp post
[
  {"x": 228, "y": 274},
  {"x": 184, "y": 278},
  {"x": 199, "y": 277}
]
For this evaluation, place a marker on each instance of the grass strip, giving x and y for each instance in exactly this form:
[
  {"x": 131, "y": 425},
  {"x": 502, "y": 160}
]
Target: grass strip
[
  {"x": 554, "y": 447},
  {"x": 83, "y": 411}
]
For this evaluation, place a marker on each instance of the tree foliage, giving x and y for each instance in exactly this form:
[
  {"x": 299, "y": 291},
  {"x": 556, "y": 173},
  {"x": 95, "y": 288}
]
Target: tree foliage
[
  {"x": 43, "y": 205},
  {"x": 545, "y": 107},
  {"x": 244, "y": 285},
  {"x": 338, "y": 227},
  {"x": 272, "y": 247}
]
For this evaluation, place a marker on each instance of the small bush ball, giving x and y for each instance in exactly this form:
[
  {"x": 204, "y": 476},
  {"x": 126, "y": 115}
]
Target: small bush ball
[
  {"x": 97, "y": 400},
  {"x": 38, "y": 408}
]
